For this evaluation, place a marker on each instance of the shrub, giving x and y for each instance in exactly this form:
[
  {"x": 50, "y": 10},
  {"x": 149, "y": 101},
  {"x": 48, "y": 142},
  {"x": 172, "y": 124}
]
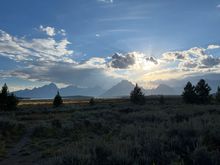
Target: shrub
[
  {"x": 56, "y": 123},
  {"x": 137, "y": 96},
  {"x": 92, "y": 101},
  {"x": 201, "y": 156},
  {"x": 58, "y": 101},
  {"x": 161, "y": 99}
]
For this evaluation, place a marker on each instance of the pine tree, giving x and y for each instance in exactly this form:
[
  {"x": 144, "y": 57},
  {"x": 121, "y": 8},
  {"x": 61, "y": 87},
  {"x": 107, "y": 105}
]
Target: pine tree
[
  {"x": 218, "y": 95},
  {"x": 7, "y": 101},
  {"x": 137, "y": 96},
  {"x": 57, "y": 100},
  {"x": 12, "y": 102},
  {"x": 4, "y": 90},
  {"x": 3, "y": 97},
  {"x": 202, "y": 91},
  {"x": 189, "y": 95}
]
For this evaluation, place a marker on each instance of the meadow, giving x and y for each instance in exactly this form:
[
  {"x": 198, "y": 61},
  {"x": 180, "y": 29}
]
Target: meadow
[{"x": 111, "y": 132}]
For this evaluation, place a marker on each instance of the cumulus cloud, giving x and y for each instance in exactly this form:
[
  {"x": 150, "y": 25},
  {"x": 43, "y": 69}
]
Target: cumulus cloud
[
  {"x": 36, "y": 49},
  {"x": 188, "y": 64},
  {"x": 50, "y": 31},
  {"x": 50, "y": 60},
  {"x": 192, "y": 53},
  {"x": 152, "y": 59},
  {"x": 122, "y": 61},
  {"x": 132, "y": 60},
  {"x": 195, "y": 59},
  {"x": 210, "y": 61}
]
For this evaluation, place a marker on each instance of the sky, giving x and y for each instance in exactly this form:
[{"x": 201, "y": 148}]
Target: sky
[{"x": 100, "y": 42}]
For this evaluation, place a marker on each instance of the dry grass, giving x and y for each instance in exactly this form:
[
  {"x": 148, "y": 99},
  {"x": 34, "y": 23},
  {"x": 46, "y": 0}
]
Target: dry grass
[{"x": 114, "y": 131}]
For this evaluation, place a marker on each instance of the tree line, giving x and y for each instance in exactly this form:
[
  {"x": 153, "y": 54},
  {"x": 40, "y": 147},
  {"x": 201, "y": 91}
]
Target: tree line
[{"x": 198, "y": 94}]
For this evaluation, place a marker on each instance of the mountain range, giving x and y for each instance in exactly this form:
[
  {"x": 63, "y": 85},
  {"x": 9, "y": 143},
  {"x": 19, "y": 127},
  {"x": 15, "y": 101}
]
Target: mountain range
[
  {"x": 50, "y": 90},
  {"x": 121, "y": 89}
]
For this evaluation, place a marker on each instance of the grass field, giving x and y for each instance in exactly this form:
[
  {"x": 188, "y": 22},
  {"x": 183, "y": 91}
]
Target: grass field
[{"x": 112, "y": 132}]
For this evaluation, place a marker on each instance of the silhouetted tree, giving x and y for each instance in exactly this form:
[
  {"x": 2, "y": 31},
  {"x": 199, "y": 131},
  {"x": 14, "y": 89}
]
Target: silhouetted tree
[
  {"x": 189, "y": 94},
  {"x": 7, "y": 101},
  {"x": 202, "y": 90},
  {"x": 92, "y": 101},
  {"x": 218, "y": 95},
  {"x": 58, "y": 101},
  {"x": 137, "y": 96},
  {"x": 3, "y": 97},
  {"x": 12, "y": 102}
]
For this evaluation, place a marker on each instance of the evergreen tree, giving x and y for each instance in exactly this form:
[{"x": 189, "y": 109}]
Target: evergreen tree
[
  {"x": 7, "y": 101},
  {"x": 12, "y": 102},
  {"x": 4, "y": 90},
  {"x": 3, "y": 97},
  {"x": 189, "y": 95},
  {"x": 58, "y": 101},
  {"x": 137, "y": 96},
  {"x": 202, "y": 90},
  {"x": 218, "y": 95}
]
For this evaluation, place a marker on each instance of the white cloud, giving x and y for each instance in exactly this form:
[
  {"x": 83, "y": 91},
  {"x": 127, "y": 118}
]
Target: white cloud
[
  {"x": 210, "y": 61},
  {"x": 62, "y": 32},
  {"x": 50, "y": 60},
  {"x": 213, "y": 47},
  {"x": 50, "y": 31},
  {"x": 152, "y": 59},
  {"x": 195, "y": 58},
  {"x": 218, "y": 6},
  {"x": 132, "y": 60},
  {"x": 106, "y": 1},
  {"x": 36, "y": 49},
  {"x": 122, "y": 61}
]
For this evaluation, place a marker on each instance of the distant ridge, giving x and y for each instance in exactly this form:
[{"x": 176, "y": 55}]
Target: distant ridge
[
  {"x": 162, "y": 89},
  {"x": 49, "y": 91},
  {"x": 121, "y": 89},
  {"x": 46, "y": 91},
  {"x": 74, "y": 91}
]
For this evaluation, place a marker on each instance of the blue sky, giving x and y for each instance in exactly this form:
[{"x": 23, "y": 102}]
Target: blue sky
[{"x": 93, "y": 30}]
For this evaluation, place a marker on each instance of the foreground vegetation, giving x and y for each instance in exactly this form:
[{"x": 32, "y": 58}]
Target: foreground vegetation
[{"x": 113, "y": 132}]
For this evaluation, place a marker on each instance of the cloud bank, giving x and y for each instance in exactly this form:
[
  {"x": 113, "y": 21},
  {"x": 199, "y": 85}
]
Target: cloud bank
[{"x": 50, "y": 59}]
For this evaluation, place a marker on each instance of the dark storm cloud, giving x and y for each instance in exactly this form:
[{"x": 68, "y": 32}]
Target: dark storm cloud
[
  {"x": 210, "y": 61},
  {"x": 152, "y": 59},
  {"x": 122, "y": 61}
]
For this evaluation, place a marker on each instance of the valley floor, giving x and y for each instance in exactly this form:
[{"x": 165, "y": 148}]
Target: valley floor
[{"x": 110, "y": 132}]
